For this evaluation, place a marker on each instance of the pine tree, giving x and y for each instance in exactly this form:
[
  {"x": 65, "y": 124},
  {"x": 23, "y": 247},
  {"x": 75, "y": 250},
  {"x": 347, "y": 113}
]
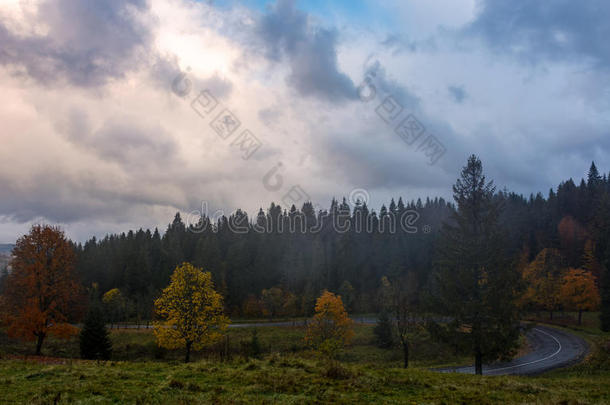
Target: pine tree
[
  {"x": 589, "y": 261},
  {"x": 604, "y": 289},
  {"x": 254, "y": 345},
  {"x": 95, "y": 341},
  {"x": 476, "y": 279},
  {"x": 601, "y": 227},
  {"x": 383, "y": 331},
  {"x": 594, "y": 191},
  {"x": 346, "y": 291},
  {"x": 594, "y": 179}
]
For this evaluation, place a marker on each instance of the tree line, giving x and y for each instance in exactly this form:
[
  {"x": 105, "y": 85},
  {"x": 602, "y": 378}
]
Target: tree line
[
  {"x": 463, "y": 271},
  {"x": 281, "y": 272}
]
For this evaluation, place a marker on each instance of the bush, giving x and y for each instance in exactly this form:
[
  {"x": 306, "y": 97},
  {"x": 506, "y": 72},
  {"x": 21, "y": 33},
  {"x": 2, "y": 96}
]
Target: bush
[
  {"x": 94, "y": 339},
  {"x": 255, "y": 346},
  {"x": 383, "y": 331},
  {"x": 159, "y": 352},
  {"x": 335, "y": 371}
]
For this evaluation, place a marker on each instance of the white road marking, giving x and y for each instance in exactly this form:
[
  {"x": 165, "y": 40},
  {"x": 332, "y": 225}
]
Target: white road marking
[{"x": 535, "y": 361}]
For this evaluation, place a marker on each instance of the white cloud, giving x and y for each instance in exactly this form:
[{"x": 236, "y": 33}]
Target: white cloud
[{"x": 103, "y": 146}]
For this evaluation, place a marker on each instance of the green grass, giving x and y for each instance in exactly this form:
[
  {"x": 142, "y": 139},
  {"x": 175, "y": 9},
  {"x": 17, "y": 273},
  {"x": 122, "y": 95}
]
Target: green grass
[
  {"x": 285, "y": 379},
  {"x": 140, "y": 345},
  {"x": 590, "y": 321},
  {"x": 286, "y": 372}
]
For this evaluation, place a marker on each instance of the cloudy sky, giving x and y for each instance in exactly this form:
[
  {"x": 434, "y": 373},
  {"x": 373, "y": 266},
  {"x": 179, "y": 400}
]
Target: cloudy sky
[{"x": 118, "y": 113}]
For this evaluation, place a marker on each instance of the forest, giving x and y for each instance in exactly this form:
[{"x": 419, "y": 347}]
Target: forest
[{"x": 281, "y": 261}]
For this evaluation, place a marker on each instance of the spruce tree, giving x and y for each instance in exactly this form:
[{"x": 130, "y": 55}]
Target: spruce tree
[
  {"x": 601, "y": 227},
  {"x": 593, "y": 179},
  {"x": 384, "y": 337},
  {"x": 604, "y": 288},
  {"x": 95, "y": 341},
  {"x": 476, "y": 279},
  {"x": 255, "y": 346}
]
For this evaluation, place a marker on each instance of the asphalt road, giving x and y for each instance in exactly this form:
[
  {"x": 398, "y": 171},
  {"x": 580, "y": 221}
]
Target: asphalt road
[{"x": 551, "y": 348}]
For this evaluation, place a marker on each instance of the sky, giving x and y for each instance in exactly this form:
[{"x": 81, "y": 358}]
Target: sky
[{"x": 116, "y": 114}]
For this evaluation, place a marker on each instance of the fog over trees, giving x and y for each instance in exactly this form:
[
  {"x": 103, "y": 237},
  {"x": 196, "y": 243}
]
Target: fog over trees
[{"x": 278, "y": 262}]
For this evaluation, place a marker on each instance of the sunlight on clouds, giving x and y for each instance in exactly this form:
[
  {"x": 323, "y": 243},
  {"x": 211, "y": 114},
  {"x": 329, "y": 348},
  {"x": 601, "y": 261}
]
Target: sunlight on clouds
[
  {"x": 94, "y": 134},
  {"x": 18, "y": 17},
  {"x": 188, "y": 31}
]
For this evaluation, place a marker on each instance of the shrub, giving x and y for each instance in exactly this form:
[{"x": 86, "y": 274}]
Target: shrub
[
  {"x": 255, "y": 346},
  {"x": 330, "y": 329},
  {"x": 95, "y": 341},
  {"x": 383, "y": 331}
]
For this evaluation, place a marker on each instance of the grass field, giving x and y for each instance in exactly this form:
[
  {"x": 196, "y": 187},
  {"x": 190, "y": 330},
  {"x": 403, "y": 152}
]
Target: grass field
[
  {"x": 139, "y": 345},
  {"x": 285, "y": 372}
]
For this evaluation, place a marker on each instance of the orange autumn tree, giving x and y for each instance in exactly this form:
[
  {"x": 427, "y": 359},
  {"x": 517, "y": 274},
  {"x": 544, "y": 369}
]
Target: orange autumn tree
[
  {"x": 331, "y": 329},
  {"x": 42, "y": 291},
  {"x": 578, "y": 292}
]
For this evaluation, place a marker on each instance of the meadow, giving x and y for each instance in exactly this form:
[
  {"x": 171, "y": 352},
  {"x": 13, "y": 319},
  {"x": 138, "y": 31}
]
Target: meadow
[{"x": 284, "y": 370}]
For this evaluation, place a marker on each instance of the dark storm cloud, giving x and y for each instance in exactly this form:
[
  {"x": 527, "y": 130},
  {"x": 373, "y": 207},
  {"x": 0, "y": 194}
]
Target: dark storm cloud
[
  {"x": 457, "y": 93},
  {"x": 166, "y": 71},
  {"x": 311, "y": 52},
  {"x": 389, "y": 164},
  {"x": 283, "y": 29},
  {"x": 375, "y": 156},
  {"x": 88, "y": 42},
  {"x": 399, "y": 43},
  {"x": 122, "y": 140},
  {"x": 386, "y": 86},
  {"x": 60, "y": 196},
  {"x": 555, "y": 29}
]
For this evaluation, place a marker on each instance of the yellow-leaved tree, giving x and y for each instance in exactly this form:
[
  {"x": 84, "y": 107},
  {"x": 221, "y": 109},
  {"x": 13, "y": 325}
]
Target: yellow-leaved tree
[
  {"x": 192, "y": 311},
  {"x": 114, "y": 305},
  {"x": 578, "y": 292},
  {"x": 543, "y": 278},
  {"x": 331, "y": 329}
]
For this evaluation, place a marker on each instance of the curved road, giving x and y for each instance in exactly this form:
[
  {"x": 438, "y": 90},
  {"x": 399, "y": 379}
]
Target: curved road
[{"x": 551, "y": 348}]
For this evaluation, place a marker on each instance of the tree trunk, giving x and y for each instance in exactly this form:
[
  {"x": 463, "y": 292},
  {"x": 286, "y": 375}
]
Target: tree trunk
[
  {"x": 580, "y": 316},
  {"x": 39, "y": 341},
  {"x": 187, "y": 358},
  {"x": 478, "y": 362},
  {"x": 405, "y": 349},
  {"x": 227, "y": 347}
]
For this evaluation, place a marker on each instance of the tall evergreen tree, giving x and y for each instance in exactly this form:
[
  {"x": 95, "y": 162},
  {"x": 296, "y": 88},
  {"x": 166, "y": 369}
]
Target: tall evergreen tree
[
  {"x": 476, "y": 278},
  {"x": 594, "y": 179},
  {"x": 94, "y": 339},
  {"x": 384, "y": 335},
  {"x": 602, "y": 234},
  {"x": 604, "y": 290}
]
